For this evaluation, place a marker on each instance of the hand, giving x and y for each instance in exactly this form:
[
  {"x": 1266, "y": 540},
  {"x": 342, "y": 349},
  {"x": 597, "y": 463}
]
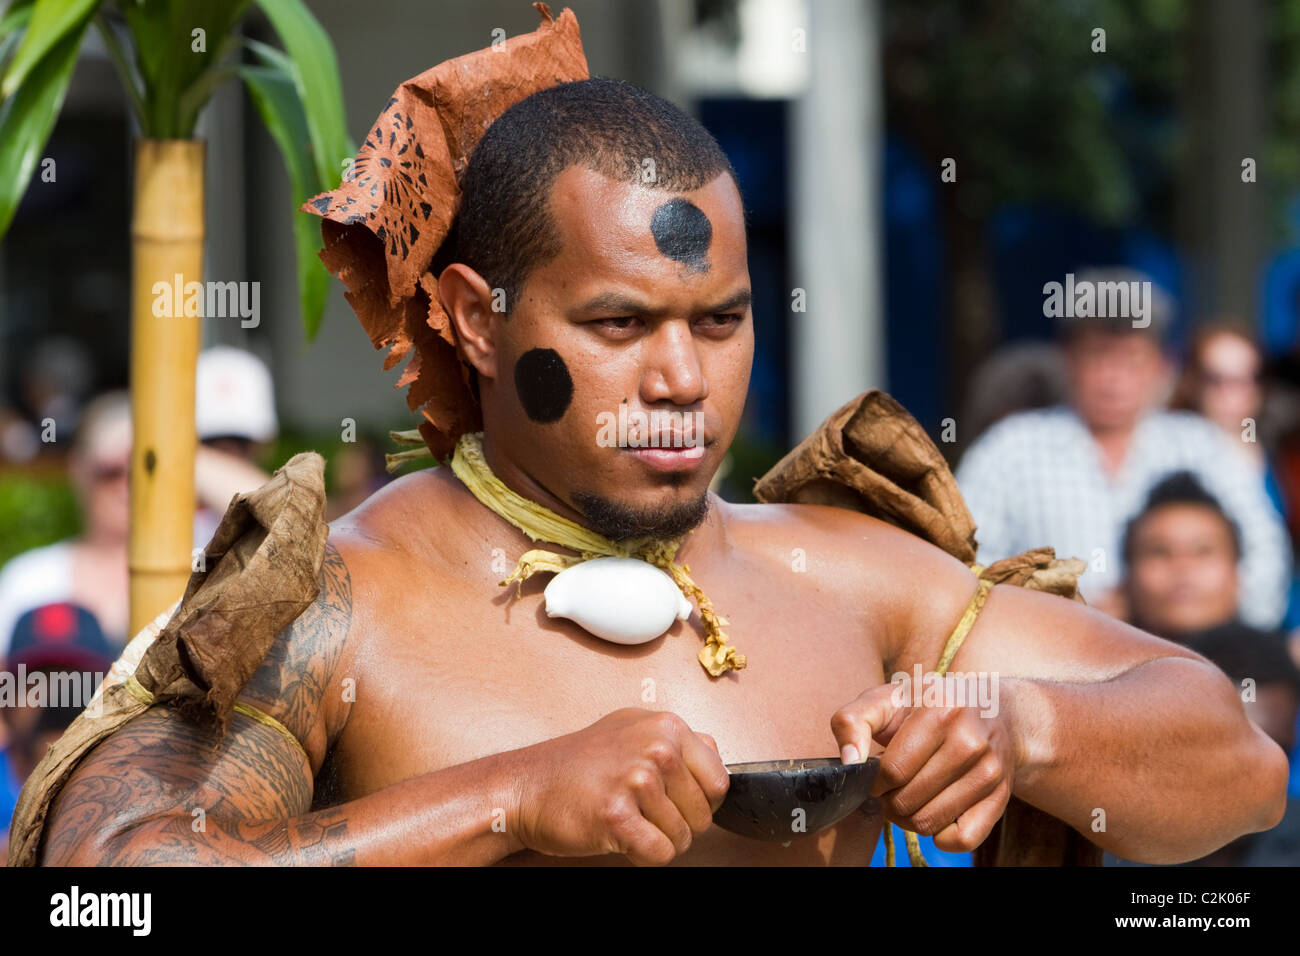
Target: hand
[
  {"x": 945, "y": 772},
  {"x": 636, "y": 782}
]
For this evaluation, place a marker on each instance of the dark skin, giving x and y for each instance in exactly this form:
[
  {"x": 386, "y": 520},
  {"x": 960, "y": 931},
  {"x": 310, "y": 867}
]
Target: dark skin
[{"x": 445, "y": 723}]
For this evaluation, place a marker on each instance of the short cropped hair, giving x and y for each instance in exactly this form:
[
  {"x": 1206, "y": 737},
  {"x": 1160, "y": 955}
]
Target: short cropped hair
[
  {"x": 1069, "y": 327},
  {"x": 1179, "y": 488},
  {"x": 504, "y": 228}
]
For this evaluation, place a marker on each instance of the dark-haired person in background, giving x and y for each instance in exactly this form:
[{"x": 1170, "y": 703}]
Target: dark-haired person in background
[
  {"x": 488, "y": 730},
  {"x": 1180, "y": 557},
  {"x": 1181, "y": 553},
  {"x": 56, "y": 659}
]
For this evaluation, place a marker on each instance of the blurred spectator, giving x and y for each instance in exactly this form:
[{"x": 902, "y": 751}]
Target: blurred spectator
[
  {"x": 1016, "y": 378},
  {"x": 91, "y": 568},
  {"x": 1180, "y": 554},
  {"x": 65, "y": 646},
  {"x": 55, "y": 381},
  {"x": 1070, "y": 476},
  {"x": 359, "y": 472},
  {"x": 1224, "y": 381},
  {"x": 235, "y": 416}
]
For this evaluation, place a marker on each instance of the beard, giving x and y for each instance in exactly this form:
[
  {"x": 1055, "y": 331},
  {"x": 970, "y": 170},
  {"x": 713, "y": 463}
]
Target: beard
[{"x": 618, "y": 522}]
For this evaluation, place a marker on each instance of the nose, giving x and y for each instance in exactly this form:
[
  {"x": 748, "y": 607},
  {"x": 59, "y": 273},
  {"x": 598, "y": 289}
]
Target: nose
[{"x": 673, "y": 369}]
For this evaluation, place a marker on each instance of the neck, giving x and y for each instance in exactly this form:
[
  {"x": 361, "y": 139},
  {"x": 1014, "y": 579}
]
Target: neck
[
  {"x": 1113, "y": 442},
  {"x": 709, "y": 534},
  {"x": 525, "y": 485}
]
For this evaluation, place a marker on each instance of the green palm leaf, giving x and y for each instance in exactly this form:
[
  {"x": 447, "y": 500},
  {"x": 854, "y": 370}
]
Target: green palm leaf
[
  {"x": 51, "y": 21},
  {"x": 28, "y": 117},
  {"x": 316, "y": 76},
  {"x": 275, "y": 96},
  {"x": 173, "y": 57}
]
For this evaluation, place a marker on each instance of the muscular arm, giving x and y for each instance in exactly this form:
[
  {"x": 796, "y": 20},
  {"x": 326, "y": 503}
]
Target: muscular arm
[
  {"x": 1106, "y": 717},
  {"x": 162, "y": 791}
]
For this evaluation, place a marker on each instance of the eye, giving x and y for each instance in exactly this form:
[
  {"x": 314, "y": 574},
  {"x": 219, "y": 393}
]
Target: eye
[
  {"x": 721, "y": 322},
  {"x": 617, "y": 327}
]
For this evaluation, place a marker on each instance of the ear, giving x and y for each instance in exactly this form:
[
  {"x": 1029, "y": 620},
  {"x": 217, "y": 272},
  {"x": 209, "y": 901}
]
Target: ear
[{"x": 468, "y": 300}]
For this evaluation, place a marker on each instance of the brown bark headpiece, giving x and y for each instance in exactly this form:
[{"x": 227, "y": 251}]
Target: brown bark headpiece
[{"x": 385, "y": 223}]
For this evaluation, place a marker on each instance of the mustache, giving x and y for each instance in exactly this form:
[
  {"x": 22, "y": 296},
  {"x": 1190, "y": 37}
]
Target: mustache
[{"x": 655, "y": 428}]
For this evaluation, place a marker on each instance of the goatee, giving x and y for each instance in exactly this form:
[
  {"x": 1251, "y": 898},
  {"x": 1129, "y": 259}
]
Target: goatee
[{"x": 618, "y": 522}]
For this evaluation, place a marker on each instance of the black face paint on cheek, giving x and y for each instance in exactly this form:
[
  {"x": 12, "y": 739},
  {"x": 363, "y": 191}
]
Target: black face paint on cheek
[
  {"x": 683, "y": 232},
  {"x": 543, "y": 384}
]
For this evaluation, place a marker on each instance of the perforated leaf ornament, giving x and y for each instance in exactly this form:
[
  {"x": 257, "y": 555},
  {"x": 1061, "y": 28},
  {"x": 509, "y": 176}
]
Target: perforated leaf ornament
[{"x": 384, "y": 224}]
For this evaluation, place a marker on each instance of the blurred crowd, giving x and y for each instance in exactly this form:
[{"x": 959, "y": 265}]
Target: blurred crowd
[
  {"x": 1177, "y": 482},
  {"x": 1176, "y": 479},
  {"x": 63, "y": 607}
]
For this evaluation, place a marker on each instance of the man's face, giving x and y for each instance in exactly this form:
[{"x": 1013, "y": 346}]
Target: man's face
[
  {"x": 1182, "y": 575},
  {"x": 646, "y": 307},
  {"x": 1114, "y": 376}
]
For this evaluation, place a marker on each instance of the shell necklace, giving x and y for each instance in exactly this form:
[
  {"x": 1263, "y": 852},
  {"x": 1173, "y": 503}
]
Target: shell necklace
[{"x": 624, "y": 592}]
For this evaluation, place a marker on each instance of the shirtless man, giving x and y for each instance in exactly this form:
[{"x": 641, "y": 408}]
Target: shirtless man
[{"x": 440, "y": 721}]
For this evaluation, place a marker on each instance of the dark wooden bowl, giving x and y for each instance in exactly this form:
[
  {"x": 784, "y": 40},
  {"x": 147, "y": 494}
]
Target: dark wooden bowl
[{"x": 763, "y": 796}]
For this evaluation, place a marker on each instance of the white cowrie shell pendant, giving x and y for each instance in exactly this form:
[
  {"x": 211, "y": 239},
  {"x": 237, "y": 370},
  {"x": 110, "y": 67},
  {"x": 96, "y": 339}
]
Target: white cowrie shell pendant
[{"x": 621, "y": 600}]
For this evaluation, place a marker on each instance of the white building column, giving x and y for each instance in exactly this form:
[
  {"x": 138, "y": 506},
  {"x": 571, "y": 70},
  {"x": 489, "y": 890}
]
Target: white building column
[{"x": 836, "y": 134}]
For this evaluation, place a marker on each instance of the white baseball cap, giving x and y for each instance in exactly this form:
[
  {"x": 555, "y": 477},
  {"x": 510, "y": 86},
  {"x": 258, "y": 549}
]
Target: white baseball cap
[{"x": 234, "y": 396}]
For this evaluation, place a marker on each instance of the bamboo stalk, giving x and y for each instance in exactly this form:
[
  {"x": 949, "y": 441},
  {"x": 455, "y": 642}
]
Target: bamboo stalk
[{"x": 167, "y": 228}]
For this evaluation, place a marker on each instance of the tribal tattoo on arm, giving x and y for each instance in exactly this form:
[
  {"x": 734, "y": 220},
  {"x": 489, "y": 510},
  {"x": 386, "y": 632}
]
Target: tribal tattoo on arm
[{"x": 162, "y": 790}]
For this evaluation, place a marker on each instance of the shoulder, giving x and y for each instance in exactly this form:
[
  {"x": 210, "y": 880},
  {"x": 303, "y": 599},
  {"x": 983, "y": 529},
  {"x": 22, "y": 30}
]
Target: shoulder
[
  {"x": 1187, "y": 426},
  {"x": 369, "y": 560},
  {"x": 292, "y": 680},
  {"x": 900, "y": 578},
  {"x": 37, "y": 564},
  {"x": 1199, "y": 444},
  {"x": 844, "y": 534},
  {"x": 1022, "y": 431}
]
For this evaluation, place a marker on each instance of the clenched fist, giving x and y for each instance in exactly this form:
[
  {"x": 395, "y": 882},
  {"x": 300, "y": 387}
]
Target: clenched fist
[{"x": 637, "y": 782}]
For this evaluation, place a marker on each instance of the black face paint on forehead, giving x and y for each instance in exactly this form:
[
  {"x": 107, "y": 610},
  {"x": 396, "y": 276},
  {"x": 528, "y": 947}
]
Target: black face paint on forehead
[
  {"x": 683, "y": 232},
  {"x": 543, "y": 384}
]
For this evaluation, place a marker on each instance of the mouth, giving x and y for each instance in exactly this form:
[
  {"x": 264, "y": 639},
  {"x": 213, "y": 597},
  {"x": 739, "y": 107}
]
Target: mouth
[{"x": 671, "y": 456}]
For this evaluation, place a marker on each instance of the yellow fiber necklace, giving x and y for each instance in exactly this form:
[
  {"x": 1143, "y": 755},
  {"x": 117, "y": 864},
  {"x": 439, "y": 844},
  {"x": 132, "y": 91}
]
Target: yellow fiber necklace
[{"x": 541, "y": 524}]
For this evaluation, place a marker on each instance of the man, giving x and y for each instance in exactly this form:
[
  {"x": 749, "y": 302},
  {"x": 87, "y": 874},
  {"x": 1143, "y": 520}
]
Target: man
[
  {"x": 1181, "y": 553},
  {"x": 435, "y": 719},
  {"x": 1072, "y": 475}
]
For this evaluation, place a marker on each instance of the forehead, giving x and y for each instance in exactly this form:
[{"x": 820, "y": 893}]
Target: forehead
[
  {"x": 615, "y": 231},
  {"x": 1185, "y": 520},
  {"x": 1229, "y": 349},
  {"x": 1100, "y": 340}
]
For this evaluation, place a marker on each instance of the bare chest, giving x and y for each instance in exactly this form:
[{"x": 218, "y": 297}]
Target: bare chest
[{"x": 467, "y": 671}]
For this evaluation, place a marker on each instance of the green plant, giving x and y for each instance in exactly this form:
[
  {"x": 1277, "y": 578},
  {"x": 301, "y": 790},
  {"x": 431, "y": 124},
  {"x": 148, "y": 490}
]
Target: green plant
[
  {"x": 170, "y": 56},
  {"x": 34, "y": 512}
]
